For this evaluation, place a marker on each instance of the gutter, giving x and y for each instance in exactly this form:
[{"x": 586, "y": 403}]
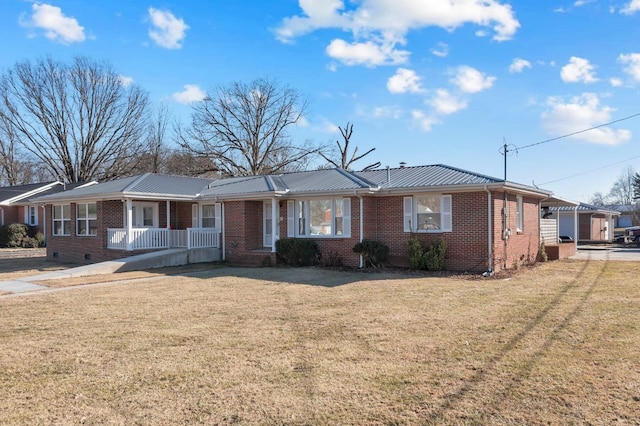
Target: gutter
[{"x": 361, "y": 225}]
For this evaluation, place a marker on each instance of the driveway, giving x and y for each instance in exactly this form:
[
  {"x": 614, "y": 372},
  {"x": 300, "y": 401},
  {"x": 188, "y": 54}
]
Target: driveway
[{"x": 627, "y": 254}]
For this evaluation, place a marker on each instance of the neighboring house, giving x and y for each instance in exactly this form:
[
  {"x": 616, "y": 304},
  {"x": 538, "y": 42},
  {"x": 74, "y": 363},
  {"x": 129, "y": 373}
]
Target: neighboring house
[
  {"x": 629, "y": 215},
  {"x": 241, "y": 218},
  {"x": 585, "y": 223},
  {"x": 16, "y": 205}
]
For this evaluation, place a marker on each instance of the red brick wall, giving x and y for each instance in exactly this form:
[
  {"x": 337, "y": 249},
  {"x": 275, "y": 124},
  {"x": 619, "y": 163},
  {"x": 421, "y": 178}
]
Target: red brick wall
[
  {"x": 11, "y": 215},
  {"x": 467, "y": 245},
  {"x": 521, "y": 247}
]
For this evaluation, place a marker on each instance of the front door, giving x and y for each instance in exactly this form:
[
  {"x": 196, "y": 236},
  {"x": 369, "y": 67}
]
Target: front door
[{"x": 267, "y": 224}]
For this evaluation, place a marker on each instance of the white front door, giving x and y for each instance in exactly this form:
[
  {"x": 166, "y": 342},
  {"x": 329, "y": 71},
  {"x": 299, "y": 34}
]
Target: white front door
[{"x": 267, "y": 224}]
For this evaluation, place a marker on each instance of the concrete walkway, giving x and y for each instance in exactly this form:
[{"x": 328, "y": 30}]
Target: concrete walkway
[
  {"x": 613, "y": 253},
  {"x": 158, "y": 259}
]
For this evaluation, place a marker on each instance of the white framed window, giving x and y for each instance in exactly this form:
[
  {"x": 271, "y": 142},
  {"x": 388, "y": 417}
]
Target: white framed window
[
  {"x": 87, "y": 219},
  {"x": 211, "y": 215},
  {"x": 319, "y": 218},
  {"x": 61, "y": 217},
  {"x": 519, "y": 215},
  {"x": 427, "y": 213},
  {"x": 31, "y": 215}
]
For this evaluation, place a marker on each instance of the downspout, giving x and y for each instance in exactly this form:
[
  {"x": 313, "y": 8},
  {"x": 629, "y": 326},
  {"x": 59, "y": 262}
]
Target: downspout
[
  {"x": 222, "y": 236},
  {"x": 490, "y": 233},
  {"x": 361, "y": 227}
]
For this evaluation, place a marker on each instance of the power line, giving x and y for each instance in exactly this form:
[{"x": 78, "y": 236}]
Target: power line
[
  {"x": 589, "y": 171},
  {"x": 578, "y": 132}
]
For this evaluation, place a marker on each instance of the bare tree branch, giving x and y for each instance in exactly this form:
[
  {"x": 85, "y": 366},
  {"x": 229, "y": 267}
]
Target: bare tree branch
[
  {"x": 345, "y": 162},
  {"x": 244, "y": 128},
  {"x": 78, "y": 119}
]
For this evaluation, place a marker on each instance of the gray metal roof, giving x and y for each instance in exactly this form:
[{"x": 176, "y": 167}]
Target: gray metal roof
[
  {"x": 424, "y": 176},
  {"x": 147, "y": 184},
  {"x": 585, "y": 208},
  {"x": 312, "y": 182}
]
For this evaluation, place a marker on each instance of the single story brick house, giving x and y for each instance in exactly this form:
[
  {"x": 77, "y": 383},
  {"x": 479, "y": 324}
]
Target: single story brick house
[{"x": 487, "y": 223}]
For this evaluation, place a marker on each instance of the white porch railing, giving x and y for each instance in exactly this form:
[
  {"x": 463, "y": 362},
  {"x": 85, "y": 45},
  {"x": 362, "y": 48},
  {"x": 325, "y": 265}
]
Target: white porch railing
[
  {"x": 159, "y": 238},
  {"x": 549, "y": 231}
]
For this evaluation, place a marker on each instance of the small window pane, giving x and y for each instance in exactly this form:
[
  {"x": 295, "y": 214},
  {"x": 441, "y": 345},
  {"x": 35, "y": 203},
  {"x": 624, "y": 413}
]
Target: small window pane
[
  {"x": 67, "y": 227},
  {"x": 81, "y": 211},
  {"x": 93, "y": 227},
  {"x": 66, "y": 211},
  {"x": 82, "y": 227},
  {"x": 93, "y": 210},
  {"x": 147, "y": 213}
]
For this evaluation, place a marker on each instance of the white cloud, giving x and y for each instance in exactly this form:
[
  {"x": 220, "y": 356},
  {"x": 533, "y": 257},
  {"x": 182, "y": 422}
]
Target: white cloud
[
  {"x": 426, "y": 122},
  {"x": 387, "y": 112},
  {"x": 579, "y": 3},
  {"x": 631, "y": 64},
  {"x": 615, "y": 82},
  {"x": 167, "y": 31},
  {"x": 367, "y": 53},
  {"x": 404, "y": 81},
  {"x": 56, "y": 25},
  {"x": 125, "y": 81},
  {"x": 470, "y": 80},
  {"x": 385, "y": 23},
  {"x": 581, "y": 113},
  {"x": 630, "y": 8},
  {"x": 445, "y": 103},
  {"x": 191, "y": 93},
  {"x": 518, "y": 65},
  {"x": 441, "y": 50},
  {"x": 578, "y": 70}
]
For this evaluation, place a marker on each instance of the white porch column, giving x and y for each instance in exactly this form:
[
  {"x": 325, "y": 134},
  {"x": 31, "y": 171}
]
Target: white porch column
[
  {"x": 275, "y": 224},
  {"x": 169, "y": 223},
  {"x": 575, "y": 225},
  {"x": 129, "y": 225}
]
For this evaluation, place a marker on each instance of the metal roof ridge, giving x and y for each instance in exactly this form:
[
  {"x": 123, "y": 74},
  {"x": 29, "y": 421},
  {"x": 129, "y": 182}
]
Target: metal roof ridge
[
  {"x": 493, "y": 178},
  {"x": 356, "y": 179},
  {"x": 136, "y": 181}
]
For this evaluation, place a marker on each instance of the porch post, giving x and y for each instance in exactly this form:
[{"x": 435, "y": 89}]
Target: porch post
[
  {"x": 129, "y": 225},
  {"x": 168, "y": 223},
  {"x": 275, "y": 224}
]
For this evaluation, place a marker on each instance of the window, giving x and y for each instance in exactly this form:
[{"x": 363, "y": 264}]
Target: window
[
  {"x": 31, "y": 215},
  {"x": 427, "y": 213},
  {"x": 87, "y": 219},
  {"x": 211, "y": 215},
  {"x": 62, "y": 219},
  {"x": 329, "y": 217},
  {"x": 519, "y": 221}
]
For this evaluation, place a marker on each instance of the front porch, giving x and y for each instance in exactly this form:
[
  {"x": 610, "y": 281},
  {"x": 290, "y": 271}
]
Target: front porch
[{"x": 162, "y": 238}]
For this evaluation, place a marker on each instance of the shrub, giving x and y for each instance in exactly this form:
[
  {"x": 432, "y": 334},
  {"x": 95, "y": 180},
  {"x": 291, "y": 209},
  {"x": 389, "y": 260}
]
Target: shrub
[
  {"x": 374, "y": 253},
  {"x": 331, "y": 259},
  {"x": 20, "y": 235},
  {"x": 542, "y": 253},
  {"x": 431, "y": 258},
  {"x": 297, "y": 251}
]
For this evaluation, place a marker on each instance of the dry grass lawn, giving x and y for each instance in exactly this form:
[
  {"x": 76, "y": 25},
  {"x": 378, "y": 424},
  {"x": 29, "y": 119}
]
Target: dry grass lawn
[
  {"x": 557, "y": 344},
  {"x": 18, "y": 267}
]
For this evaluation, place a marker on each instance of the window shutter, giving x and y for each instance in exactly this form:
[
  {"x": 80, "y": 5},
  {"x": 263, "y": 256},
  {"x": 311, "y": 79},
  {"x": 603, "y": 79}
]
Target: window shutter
[
  {"x": 408, "y": 213},
  {"x": 445, "y": 214},
  {"x": 291, "y": 219},
  {"x": 194, "y": 216},
  {"x": 346, "y": 217},
  {"x": 218, "y": 209}
]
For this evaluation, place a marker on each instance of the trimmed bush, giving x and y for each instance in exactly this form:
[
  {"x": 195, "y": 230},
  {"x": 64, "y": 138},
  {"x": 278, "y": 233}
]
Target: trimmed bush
[
  {"x": 374, "y": 253},
  {"x": 430, "y": 258},
  {"x": 20, "y": 235},
  {"x": 297, "y": 251}
]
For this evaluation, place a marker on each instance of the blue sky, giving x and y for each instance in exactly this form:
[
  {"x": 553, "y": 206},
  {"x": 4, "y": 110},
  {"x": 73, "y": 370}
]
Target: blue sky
[{"x": 423, "y": 81}]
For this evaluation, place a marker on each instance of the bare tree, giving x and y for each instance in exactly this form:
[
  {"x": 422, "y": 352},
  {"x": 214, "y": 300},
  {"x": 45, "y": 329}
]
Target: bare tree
[
  {"x": 345, "y": 162},
  {"x": 243, "y": 128},
  {"x": 622, "y": 191},
  {"x": 80, "y": 120}
]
